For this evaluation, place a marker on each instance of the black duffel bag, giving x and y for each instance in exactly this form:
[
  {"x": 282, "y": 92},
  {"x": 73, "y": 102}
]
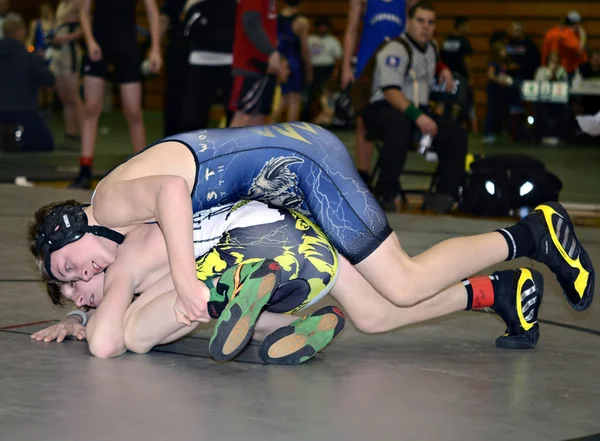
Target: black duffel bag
[{"x": 505, "y": 185}]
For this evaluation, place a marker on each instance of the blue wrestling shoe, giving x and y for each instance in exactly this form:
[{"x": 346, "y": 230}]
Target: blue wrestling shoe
[
  {"x": 303, "y": 338},
  {"x": 248, "y": 287},
  {"x": 517, "y": 301},
  {"x": 558, "y": 247}
]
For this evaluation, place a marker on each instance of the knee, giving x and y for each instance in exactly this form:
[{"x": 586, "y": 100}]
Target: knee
[
  {"x": 92, "y": 109},
  {"x": 133, "y": 114}
]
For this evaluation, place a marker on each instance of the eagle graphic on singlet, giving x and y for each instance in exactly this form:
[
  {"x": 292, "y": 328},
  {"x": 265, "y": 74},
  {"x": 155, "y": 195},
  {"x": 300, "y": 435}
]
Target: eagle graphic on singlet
[{"x": 276, "y": 184}]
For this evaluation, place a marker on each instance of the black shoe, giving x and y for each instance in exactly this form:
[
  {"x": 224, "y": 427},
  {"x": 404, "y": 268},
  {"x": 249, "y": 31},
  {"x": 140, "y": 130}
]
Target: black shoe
[
  {"x": 82, "y": 183},
  {"x": 389, "y": 204},
  {"x": 558, "y": 247},
  {"x": 517, "y": 300}
]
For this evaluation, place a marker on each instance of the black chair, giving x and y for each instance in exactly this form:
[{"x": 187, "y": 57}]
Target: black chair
[{"x": 438, "y": 95}]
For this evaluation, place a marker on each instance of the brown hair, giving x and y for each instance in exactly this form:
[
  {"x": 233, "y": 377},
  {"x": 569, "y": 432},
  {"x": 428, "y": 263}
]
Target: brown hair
[
  {"x": 54, "y": 291},
  {"x": 32, "y": 231},
  {"x": 424, "y": 5}
]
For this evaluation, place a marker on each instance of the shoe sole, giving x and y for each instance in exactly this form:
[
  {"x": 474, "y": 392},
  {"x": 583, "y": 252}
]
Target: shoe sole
[
  {"x": 232, "y": 335},
  {"x": 287, "y": 347},
  {"x": 586, "y": 278}
]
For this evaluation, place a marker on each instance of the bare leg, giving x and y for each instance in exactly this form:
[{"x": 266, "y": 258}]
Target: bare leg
[
  {"x": 423, "y": 276},
  {"x": 94, "y": 95},
  {"x": 280, "y": 110},
  {"x": 131, "y": 99},
  {"x": 372, "y": 313},
  {"x": 240, "y": 119},
  {"x": 364, "y": 148},
  {"x": 294, "y": 106},
  {"x": 67, "y": 87}
]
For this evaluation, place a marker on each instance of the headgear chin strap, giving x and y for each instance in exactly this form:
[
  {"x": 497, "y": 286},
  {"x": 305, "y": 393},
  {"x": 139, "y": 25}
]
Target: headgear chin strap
[{"x": 66, "y": 225}]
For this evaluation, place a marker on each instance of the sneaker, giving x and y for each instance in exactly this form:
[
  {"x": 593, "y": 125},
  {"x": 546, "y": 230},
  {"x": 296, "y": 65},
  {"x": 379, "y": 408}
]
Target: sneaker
[
  {"x": 303, "y": 338},
  {"x": 249, "y": 287},
  {"x": 558, "y": 248},
  {"x": 517, "y": 301},
  {"x": 81, "y": 183}
]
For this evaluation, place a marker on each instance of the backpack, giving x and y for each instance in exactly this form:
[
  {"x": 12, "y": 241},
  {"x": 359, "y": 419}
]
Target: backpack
[
  {"x": 361, "y": 89},
  {"x": 505, "y": 185}
]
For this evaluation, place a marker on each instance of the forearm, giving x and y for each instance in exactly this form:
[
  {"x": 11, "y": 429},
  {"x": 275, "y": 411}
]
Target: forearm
[
  {"x": 174, "y": 215},
  {"x": 396, "y": 99},
  {"x": 349, "y": 46},
  {"x": 154, "y": 22},
  {"x": 86, "y": 25},
  {"x": 256, "y": 33}
]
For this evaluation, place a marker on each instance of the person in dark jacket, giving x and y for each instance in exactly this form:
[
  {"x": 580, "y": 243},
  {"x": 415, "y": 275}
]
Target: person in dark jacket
[{"x": 21, "y": 74}]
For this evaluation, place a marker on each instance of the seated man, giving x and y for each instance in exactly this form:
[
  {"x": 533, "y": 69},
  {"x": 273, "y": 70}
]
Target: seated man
[
  {"x": 21, "y": 73},
  {"x": 404, "y": 70},
  {"x": 230, "y": 243}
]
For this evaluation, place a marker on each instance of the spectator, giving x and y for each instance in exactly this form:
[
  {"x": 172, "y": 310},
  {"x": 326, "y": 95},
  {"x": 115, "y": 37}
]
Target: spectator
[
  {"x": 550, "y": 117},
  {"x": 209, "y": 31},
  {"x": 326, "y": 52},
  {"x": 569, "y": 40},
  {"x": 21, "y": 74},
  {"x": 40, "y": 30},
  {"x": 456, "y": 51},
  {"x": 5, "y": 12},
  {"x": 591, "y": 69},
  {"x": 399, "y": 109},
  {"x": 256, "y": 62},
  {"x": 292, "y": 33},
  {"x": 176, "y": 54},
  {"x": 523, "y": 53},
  {"x": 498, "y": 95}
]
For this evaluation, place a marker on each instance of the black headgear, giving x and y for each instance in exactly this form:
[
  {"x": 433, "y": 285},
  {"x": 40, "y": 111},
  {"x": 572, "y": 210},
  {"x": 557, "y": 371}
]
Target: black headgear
[{"x": 66, "y": 225}]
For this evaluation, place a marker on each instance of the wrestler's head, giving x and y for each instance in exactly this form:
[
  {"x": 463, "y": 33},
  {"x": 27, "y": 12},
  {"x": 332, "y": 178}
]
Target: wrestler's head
[
  {"x": 421, "y": 22},
  {"x": 66, "y": 247},
  {"x": 81, "y": 293}
]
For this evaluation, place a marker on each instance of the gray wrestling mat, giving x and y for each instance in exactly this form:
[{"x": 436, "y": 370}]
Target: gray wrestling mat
[{"x": 441, "y": 380}]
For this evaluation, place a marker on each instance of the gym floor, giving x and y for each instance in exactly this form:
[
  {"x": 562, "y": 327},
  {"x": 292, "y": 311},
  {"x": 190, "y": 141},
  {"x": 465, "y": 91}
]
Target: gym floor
[{"x": 442, "y": 380}]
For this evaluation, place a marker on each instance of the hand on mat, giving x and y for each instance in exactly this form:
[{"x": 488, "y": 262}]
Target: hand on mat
[
  {"x": 59, "y": 331},
  {"x": 447, "y": 77},
  {"x": 426, "y": 125},
  {"x": 274, "y": 63},
  {"x": 192, "y": 304}
]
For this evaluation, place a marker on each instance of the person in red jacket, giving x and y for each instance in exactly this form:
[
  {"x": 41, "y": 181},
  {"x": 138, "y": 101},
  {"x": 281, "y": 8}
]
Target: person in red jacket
[{"x": 255, "y": 62}]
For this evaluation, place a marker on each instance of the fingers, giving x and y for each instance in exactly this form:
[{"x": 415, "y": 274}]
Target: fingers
[
  {"x": 182, "y": 319},
  {"x": 61, "y": 335}
]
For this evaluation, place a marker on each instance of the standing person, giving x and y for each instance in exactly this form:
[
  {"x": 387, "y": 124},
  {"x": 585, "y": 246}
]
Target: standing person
[
  {"x": 171, "y": 24},
  {"x": 112, "y": 39},
  {"x": 381, "y": 19},
  {"x": 498, "y": 93},
  {"x": 293, "y": 31},
  {"x": 209, "y": 29},
  {"x": 569, "y": 40},
  {"x": 456, "y": 51},
  {"x": 326, "y": 52},
  {"x": 256, "y": 62},
  {"x": 66, "y": 64},
  {"x": 21, "y": 75}
]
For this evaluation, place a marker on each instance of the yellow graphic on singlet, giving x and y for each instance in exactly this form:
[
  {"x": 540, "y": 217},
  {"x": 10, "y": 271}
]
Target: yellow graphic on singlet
[{"x": 286, "y": 129}]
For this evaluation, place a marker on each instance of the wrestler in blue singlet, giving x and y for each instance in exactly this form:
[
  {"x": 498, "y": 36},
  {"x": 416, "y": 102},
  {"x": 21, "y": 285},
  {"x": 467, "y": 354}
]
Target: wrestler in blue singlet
[
  {"x": 298, "y": 166},
  {"x": 383, "y": 18},
  {"x": 290, "y": 47}
]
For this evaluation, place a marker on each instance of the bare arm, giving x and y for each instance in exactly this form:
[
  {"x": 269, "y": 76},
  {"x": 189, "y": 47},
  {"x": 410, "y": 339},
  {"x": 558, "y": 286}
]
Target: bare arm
[
  {"x": 165, "y": 199},
  {"x": 154, "y": 22},
  {"x": 302, "y": 26},
  {"x": 85, "y": 20},
  {"x": 396, "y": 99},
  {"x": 104, "y": 331},
  {"x": 165, "y": 22},
  {"x": 351, "y": 35}
]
